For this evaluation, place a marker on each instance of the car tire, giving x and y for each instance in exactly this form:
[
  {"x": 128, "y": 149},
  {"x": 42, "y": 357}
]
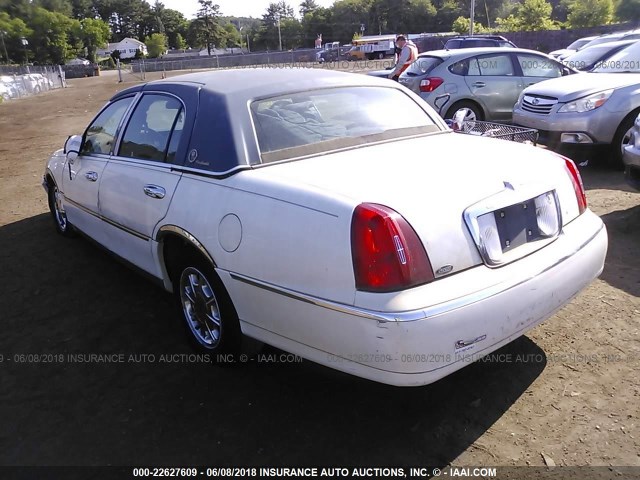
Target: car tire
[
  {"x": 620, "y": 139},
  {"x": 475, "y": 112},
  {"x": 205, "y": 308},
  {"x": 60, "y": 220}
]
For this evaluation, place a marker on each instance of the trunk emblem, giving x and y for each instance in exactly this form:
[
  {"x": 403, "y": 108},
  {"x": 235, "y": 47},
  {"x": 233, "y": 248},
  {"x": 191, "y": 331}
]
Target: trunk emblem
[{"x": 444, "y": 270}]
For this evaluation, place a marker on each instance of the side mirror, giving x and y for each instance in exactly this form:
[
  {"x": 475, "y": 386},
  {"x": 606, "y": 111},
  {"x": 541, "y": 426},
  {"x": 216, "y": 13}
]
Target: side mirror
[
  {"x": 72, "y": 147},
  {"x": 566, "y": 71}
]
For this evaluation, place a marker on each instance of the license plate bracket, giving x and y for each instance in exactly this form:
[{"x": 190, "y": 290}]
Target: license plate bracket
[{"x": 517, "y": 224}]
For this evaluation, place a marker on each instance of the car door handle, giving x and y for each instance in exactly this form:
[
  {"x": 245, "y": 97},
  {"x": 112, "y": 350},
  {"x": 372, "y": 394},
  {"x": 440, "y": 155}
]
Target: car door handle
[
  {"x": 91, "y": 176},
  {"x": 154, "y": 191},
  {"x": 479, "y": 84}
]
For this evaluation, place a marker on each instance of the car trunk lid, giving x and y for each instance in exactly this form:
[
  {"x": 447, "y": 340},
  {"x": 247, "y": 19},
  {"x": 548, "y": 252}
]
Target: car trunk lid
[{"x": 432, "y": 182}]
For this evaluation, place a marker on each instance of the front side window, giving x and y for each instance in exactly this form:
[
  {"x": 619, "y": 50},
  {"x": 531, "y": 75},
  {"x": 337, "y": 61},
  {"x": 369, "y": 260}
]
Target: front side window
[
  {"x": 101, "y": 134},
  {"x": 318, "y": 121},
  {"x": 492, "y": 66},
  {"x": 154, "y": 130},
  {"x": 534, "y": 66}
]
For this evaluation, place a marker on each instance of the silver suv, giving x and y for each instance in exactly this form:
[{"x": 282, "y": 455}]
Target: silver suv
[
  {"x": 589, "y": 111},
  {"x": 483, "y": 82}
]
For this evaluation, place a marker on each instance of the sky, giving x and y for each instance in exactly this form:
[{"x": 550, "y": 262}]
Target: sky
[{"x": 237, "y": 8}]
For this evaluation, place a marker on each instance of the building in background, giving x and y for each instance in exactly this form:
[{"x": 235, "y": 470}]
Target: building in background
[{"x": 127, "y": 48}]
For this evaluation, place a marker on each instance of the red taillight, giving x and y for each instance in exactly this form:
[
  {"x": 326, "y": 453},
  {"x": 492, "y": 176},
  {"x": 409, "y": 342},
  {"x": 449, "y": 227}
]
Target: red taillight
[
  {"x": 430, "y": 84},
  {"x": 387, "y": 254},
  {"x": 576, "y": 179}
]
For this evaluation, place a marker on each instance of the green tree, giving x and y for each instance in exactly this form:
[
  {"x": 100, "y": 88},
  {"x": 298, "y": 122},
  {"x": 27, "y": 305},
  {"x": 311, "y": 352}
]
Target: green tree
[
  {"x": 529, "y": 15},
  {"x": 447, "y": 12},
  {"x": 308, "y": 6},
  {"x": 15, "y": 29},
  {"x": 82, "y": 9},
  {"x": 231, "y": 36},
  {"x": 206, "y": 27},
  {"x": 462, "y": 25},
  {"x": 16, "y": 8},
  {"x": 317, "y": 22},
  {"x": 276, "y": 15},
  {"x": 628, "y": 10},
  {"x": 419, "y": 16},
  {"x": 127, "y": 18},
  {"x": 174, "y": 24},
  {"x": 59, "y": 6},
  {"x": 156, "y": 45},
  {"x": 52, "y": 38},
  {"x": 590, "y": 13},
  {"x": 179, "y": 42},
  {"x": 94, "y": 33}
]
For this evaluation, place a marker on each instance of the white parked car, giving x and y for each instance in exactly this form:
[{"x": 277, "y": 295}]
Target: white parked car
[
  {"x": 5, "y": 92},
  {"x": 332, "y": 215}
]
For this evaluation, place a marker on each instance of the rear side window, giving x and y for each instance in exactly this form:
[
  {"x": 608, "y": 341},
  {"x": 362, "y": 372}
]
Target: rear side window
[
  {"x": 318, "y": 121},
  {"x": 423, "y": 65},
  {"x": 493, "y": 65},
  {"x": 154, "y": 128}
]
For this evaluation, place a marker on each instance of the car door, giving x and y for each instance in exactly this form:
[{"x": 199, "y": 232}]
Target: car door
[
  {"x": 138, "y": 183},
  {"x": 81, "y": 181},
  {"x": 494, "y": 84},
  {"x": 536, "y": 68}
]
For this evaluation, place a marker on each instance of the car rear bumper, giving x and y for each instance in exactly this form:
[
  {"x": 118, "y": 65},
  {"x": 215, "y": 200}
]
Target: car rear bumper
[{"x": 420, "y": 346}]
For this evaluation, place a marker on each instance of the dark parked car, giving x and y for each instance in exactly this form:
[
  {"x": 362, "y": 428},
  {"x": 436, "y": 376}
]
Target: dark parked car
[{"x": 478, "y": 41}]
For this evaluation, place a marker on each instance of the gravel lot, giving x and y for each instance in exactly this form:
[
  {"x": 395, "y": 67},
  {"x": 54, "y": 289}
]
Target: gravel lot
[{"x": 570, "y": 390}]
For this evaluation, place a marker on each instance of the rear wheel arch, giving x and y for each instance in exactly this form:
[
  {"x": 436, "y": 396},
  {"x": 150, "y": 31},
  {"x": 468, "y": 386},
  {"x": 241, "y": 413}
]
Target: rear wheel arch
[
  {"x": 183, "y": 256},
  {"x": 174, "y": 243}
]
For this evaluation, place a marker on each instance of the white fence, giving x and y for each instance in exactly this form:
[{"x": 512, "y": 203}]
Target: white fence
[{"x": 19, "y": 82}]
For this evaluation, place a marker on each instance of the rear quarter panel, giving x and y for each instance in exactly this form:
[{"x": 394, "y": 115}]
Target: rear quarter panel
[{"x": 292, "y": 237}]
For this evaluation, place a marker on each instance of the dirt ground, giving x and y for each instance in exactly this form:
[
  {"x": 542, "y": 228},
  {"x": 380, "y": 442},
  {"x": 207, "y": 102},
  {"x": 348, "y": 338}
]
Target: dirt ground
[{"x": 570, "y": 390}]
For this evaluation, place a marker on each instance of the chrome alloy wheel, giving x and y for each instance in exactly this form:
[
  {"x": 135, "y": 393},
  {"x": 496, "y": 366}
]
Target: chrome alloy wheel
[
  {"x": 200, "y": 307},
  {"x": 469, "y": 115},
  {"x": 58, "y": 210}
]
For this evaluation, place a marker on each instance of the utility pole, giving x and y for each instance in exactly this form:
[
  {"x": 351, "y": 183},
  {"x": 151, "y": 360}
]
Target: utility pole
[
  {"x": 279, "y": 33},
  {"x": 25, "y": 42},
  {"x": 6, "y": 55},
  {"x": 473, "y": 16}
]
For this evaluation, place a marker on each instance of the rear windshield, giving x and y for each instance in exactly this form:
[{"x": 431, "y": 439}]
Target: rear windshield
[
  {"x": 314, "y": 122},
  {"x": 423, "y": 65}
]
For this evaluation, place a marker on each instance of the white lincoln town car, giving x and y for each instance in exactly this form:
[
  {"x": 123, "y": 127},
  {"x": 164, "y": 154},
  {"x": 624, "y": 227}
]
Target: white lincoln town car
[{"x": 332, "y": 215}]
